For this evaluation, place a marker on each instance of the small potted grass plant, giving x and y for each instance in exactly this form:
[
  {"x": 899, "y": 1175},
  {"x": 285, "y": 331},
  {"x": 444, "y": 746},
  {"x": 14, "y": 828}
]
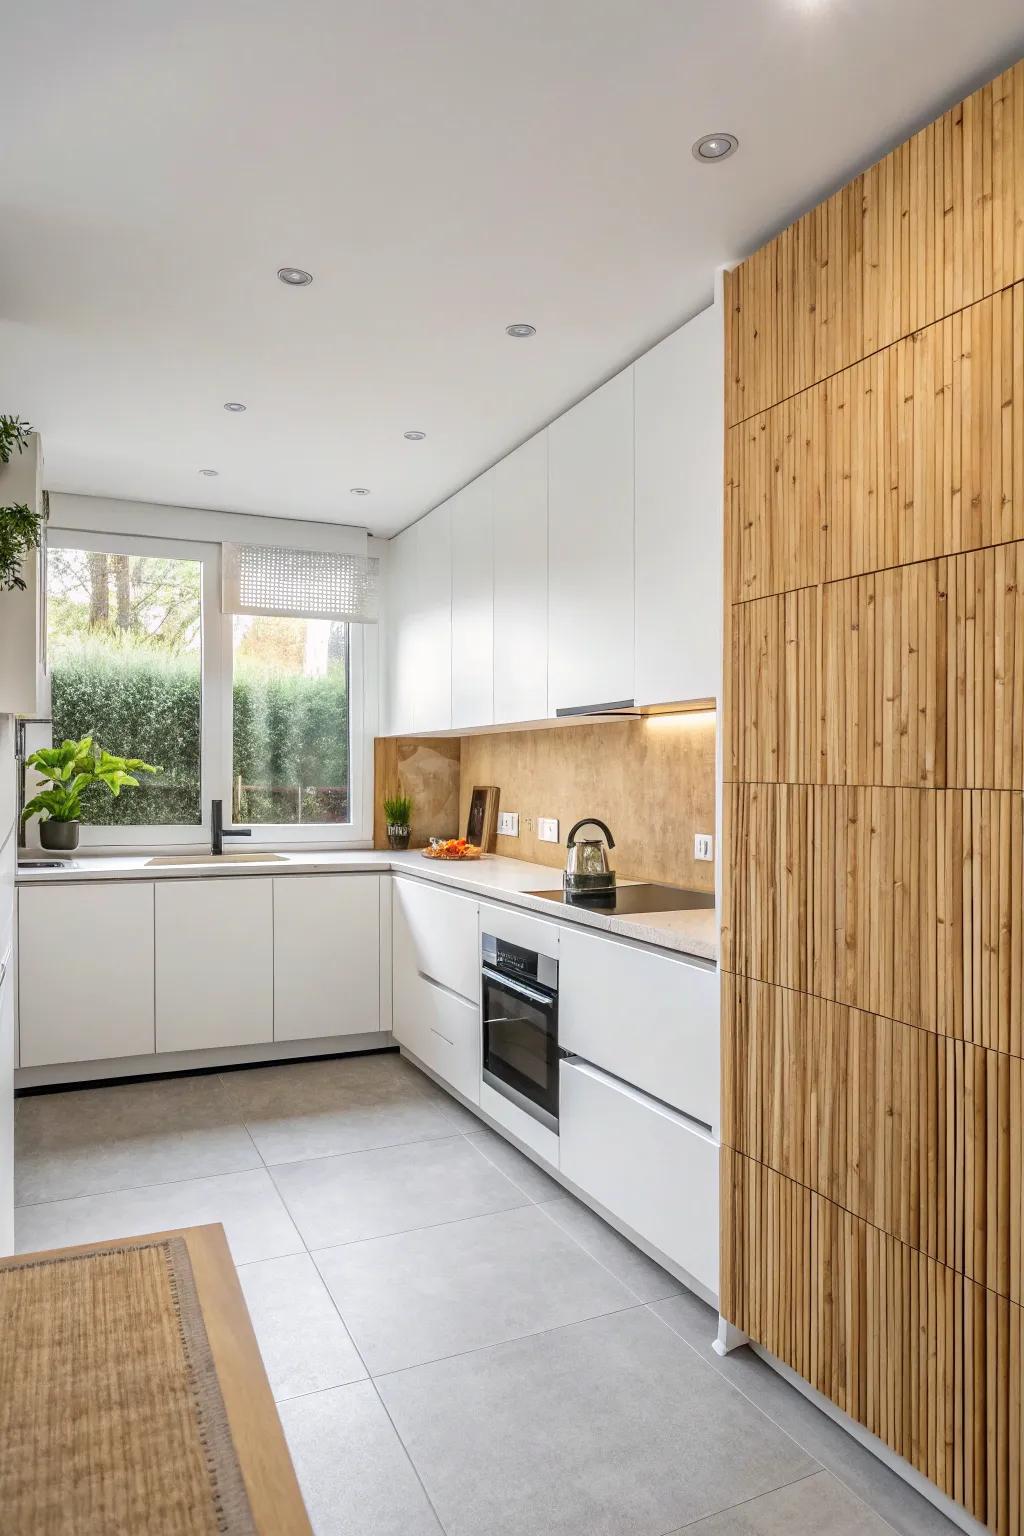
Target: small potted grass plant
[
  {"x": 70, "y": 770},
  {"x": 398, "y": 815}
]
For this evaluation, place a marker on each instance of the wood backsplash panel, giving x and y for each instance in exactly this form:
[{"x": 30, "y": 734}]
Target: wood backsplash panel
[
  {"x": 652, "y": 781},
  {"x": 428, "y": 771},
  {"x": 873, "y": 839}
]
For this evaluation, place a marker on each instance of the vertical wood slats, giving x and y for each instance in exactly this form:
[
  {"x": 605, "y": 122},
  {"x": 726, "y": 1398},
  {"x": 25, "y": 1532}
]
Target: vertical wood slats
[
  {"x": 873, "y": 890},
  {"x": 935, "y": 226},
  {"x": 910, "y": 676},
  {"x": 923, "y": 1357}
]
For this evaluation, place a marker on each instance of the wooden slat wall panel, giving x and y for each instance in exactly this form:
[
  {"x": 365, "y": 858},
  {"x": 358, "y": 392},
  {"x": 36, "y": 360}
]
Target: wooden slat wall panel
[
  {"x": 935, "y": 226},
  {"x": 908, "y": 903},
  {"x": 913, "y": 676},
  {"x": 873, "y": 838},
  {"x": 907, "y": 1130},
  {"x": 853, "y": 1325}
]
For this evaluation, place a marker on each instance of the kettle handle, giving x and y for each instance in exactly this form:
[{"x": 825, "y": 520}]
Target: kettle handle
[{"x": 589, "y": 821}]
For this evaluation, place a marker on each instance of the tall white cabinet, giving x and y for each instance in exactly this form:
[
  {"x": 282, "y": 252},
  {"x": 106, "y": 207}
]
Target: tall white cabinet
[
  {"x": 590, "y": 549},
  {"x": 679, "y": 447},
  {"x": 472, "y": 551},
  {"x": 520, "y": 508}
]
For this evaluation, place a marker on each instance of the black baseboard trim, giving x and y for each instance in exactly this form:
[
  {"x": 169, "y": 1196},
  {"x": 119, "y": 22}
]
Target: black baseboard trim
[{"x": 160, "y": 1077}]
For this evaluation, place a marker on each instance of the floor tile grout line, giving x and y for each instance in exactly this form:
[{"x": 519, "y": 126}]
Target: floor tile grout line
[
  {"x": 127, "y": 1189},
  {"x": 727, "y": 1509},
  {"x": 580, "y": 1244},
  {"x": 782, "y": 1428}
]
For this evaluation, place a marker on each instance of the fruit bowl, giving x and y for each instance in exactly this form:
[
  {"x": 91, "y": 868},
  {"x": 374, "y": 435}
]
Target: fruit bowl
[{"x": 452, "y": 848}]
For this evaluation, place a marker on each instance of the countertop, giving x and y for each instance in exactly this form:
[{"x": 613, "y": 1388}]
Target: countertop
[{"x": 490, "y": 878}]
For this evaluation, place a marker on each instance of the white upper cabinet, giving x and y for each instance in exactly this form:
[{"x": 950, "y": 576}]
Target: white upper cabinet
[
  {"x": 521, "y": 583},
  {"x": 472, "y": 543},
  {"x": 432, "y": 594},
  {"x": 590, "y": 549},
  {"x": 401, "y": 632},
  {"x": 679, "y": 454},
  {"x": 22, "y": 613}
]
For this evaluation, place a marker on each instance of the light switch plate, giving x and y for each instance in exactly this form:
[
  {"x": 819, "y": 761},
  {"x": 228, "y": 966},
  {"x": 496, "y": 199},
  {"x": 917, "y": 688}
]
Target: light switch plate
[
  {"x": 547, "y": 829},
  {"x": 703, "y": 846},
  {"x": 508, "y": 823}
]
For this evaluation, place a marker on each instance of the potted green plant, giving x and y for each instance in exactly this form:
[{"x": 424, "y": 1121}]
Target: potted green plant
[
  {"x": 398, "y": 815},
  {"x": 19, "y": 525},
  {"x": 70, "y": 770}
]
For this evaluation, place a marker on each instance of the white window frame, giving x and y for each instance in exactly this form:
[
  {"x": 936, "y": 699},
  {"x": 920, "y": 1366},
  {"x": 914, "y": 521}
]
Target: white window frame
[{"x": 216, "y": 733}]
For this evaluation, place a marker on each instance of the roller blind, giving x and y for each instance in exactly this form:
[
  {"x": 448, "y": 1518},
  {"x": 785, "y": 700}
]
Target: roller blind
[{"x": 299, "y": 583}]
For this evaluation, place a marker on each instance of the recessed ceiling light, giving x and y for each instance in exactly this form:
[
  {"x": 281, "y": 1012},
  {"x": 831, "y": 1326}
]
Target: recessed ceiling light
[
  {"x": 520, "y": 329},
  {"x": 233, "y": 405},
  {"x": 295, "y": 277},
  {"x": 360, "y": 490},
  {"x": 716, "y": 146},
  {"x": 414, "y": 437},
  {"x": 209, "y": 472}
]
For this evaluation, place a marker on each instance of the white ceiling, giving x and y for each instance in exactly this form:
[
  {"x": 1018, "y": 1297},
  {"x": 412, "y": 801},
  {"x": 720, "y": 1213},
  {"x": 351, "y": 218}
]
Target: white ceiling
[{"x": 443, "y": 167}]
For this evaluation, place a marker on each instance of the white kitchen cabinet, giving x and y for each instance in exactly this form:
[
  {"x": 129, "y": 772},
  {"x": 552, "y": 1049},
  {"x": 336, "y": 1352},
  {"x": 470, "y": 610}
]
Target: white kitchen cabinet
[
  {"x": 647, "y": 1166},
  {"x": 432, "y": 600},
  {"x": 85, "y": 972},
  {"x": 652, "y": 1019},
  {"x": 590, "y": 549},
  {"x": 6, "y": 1101},
  {"x": 472, "y": 545},
  {"x": 521, "y": 583},
  {"x": 23, "y": 613},
  {"x": 214, "y": 963},
  {"x": 326, "y": 955},
  {"x": 441, "y": 1030},
  {"x": 435, "y": 935},
  {"x": 402, "y": 629},
  {"x": 679, "y": 452}
]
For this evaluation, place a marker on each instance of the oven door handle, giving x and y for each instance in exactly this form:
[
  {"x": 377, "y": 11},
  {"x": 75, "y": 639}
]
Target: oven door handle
[{"x": 520, "y": 988}]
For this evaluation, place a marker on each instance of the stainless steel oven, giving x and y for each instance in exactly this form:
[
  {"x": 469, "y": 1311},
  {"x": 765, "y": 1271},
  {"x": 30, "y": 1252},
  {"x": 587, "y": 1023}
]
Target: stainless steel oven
[{"x": 520, "y": 1027}]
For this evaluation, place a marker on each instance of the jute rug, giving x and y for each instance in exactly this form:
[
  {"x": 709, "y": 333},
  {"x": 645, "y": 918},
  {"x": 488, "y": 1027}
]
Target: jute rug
[{"x": 112, "y": 1421}]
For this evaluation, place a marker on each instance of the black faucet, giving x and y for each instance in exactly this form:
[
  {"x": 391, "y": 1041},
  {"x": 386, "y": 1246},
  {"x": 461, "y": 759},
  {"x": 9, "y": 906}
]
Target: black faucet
[{"x": 218, "y": 831}]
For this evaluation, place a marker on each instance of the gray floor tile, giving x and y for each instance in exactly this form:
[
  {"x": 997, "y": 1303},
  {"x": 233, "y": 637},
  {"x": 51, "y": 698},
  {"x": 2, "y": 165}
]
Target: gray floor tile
[
  {"x": 870, "y": 1479},
  {"x": 423, "y": 1295},
  {"x": 393, "y": 1189},
  {"x": 597, "y": 1429},
  {"x": 254, "y": 1217},
  {"x": 533, "y": 1181},
  {"x": 317, "y": 1108},
  {"x": 355, "y": 1477},
  {"x": 646, "y": 1279},
  {"x": 97, "y": 1139},
  {"x": 817, "y": 1506},
  {"x": 304, "y": 1343}
]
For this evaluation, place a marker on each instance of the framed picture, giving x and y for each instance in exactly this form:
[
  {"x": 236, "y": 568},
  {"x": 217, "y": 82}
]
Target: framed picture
[{"x": 482, "y": 821}]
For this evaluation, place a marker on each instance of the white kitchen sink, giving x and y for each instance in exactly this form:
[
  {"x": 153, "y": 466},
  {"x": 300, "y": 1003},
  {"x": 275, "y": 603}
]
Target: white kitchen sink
[{"x": 219, "y": 858}]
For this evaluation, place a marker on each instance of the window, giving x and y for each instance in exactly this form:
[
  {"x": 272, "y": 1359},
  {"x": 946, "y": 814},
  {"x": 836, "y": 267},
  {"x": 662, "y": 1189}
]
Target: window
[
  {"x": 290, "y": 735},
  {"x": 125, "y": 648}
]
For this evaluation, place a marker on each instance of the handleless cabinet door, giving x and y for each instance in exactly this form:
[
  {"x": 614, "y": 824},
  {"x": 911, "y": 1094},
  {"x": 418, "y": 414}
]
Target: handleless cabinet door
[
  {"x": 679, "y": 449},
  {"x": 85, "y": 972},
  {"x": 590, "y": 549},
  {"x": 214, "y": 962},
  {"x": 431, "y": 653},
  {"x": 6, "y": 1102},
  {"x": 326, "y": 955},
  {"x": 521, "y": 583},
  {"x": 401, "y": 632},
  {"x": 472, "y": 512}
]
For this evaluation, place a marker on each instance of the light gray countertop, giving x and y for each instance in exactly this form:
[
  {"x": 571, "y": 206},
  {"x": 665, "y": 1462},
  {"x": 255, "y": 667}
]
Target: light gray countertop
[{"x": 490, "y": 878}]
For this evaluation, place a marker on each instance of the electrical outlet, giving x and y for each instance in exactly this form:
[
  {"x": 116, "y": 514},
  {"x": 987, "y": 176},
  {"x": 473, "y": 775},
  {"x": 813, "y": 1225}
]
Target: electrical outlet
[
  {"x": 508, "y": 823},
  {"x": 703, "y": 846},
  {"x": 547, "y": 829}
]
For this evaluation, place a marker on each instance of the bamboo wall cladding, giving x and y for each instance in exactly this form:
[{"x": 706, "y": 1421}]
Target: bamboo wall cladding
[
  {"x": 873, "y": 839},
  {"x": 935, "y": 226}
]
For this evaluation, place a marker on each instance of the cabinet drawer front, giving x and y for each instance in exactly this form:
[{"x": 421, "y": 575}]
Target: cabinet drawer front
[
  {"x": 88, "y": 994},
  {"x": 648, "y": 1018},
  {"x": 436, "y": 935},
  {"x": 645, "y": 1165},
  {"x": 326, "y": 955},
  {"x": 451, "y": 1040}
]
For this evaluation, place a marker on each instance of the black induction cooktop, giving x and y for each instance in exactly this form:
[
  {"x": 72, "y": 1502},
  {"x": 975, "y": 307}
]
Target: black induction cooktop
[{"x": 636, "y": 898}]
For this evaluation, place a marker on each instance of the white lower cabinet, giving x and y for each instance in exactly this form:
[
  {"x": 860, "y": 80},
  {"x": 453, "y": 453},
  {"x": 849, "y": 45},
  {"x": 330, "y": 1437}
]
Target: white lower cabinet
[
  {"x": 646, "y": 1165},
  {"x": 6, "y": 1102},
  {"x": 85, "y": 972},
  {"x": 214, "y": 963},
  {"x": 650, "y": 1018},
  {"x": 436, "y": 982},
  {"x": 326, "y": 955},
  {"x": 442, "y": 1030},
  {"x": 435, "y": 934}
]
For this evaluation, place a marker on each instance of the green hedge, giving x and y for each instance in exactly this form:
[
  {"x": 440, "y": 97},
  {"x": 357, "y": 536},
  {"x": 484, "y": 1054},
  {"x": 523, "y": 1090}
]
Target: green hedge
[{"x": 139, "y": 702}]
